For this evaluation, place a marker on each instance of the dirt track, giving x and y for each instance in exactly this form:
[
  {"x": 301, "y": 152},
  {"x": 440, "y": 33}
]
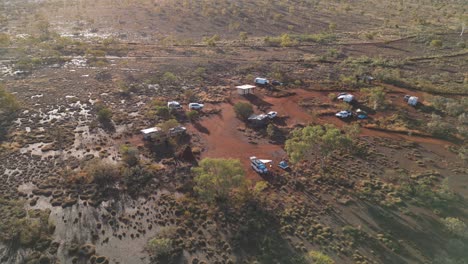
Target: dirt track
[{"x": 223, "y": 137}]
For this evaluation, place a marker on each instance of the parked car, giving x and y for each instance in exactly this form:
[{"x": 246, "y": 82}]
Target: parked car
[
  {"x": 361, "y": 114},
  {"x": 272, "y": 114},
  {"x": 177, "y": 130},
  {"x": 274, "y": 82},
  {"x": 174, "y": 105},
  {"x": 196, "y": 106},
  {"x": 344, "y": 114}
]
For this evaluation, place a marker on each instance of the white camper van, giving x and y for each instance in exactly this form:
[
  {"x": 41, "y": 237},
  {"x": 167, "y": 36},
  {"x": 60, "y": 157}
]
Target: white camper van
[{"x": 261, "y": 81}]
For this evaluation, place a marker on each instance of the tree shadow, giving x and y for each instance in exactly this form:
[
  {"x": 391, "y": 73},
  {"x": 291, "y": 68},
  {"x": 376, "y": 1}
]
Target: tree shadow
[
  {"x": 256, "y": 234},
  {"x": 257, "y": 101},
  {"x": 426, "y": 238},
  {"x": 200, "y": 128}
]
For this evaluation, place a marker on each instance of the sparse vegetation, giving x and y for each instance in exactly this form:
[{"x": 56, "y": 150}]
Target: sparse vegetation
[{"x": 90, "y": 75}]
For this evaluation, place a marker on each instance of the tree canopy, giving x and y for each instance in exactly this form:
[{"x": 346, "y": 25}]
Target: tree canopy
[
  {"x": 216, "y": 178},
  {"x": 243, "y": 110},
  {"x": 318, "y": 140}
]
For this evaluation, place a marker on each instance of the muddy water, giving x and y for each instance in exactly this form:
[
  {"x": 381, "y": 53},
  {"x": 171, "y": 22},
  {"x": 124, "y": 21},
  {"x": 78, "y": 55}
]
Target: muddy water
[{"x": 120, "y": 229}]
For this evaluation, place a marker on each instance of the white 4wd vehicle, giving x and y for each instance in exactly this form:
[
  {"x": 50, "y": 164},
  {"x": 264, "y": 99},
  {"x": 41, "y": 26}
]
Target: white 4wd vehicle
[
  {"x": 272, "y": 114},
  {"x": 196, "y": 106},
  {"x": 344, "y": 114}
]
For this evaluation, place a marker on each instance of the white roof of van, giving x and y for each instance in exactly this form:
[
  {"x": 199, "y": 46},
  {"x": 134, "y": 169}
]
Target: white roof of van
[
  {"x": 245, "y": 86},
  {"x": 150, "y": 130}
]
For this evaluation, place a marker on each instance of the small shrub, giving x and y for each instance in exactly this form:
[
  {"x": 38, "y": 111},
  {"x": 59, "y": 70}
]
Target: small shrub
[
  {"x": 436, "y": 43},
  {"x": 455, "y": 226},
  {"x": 193, "y": 115},
  {"x": 103, "y": 173},
  {"x": 272, "y": 131},
  {"x": 317, "y": 257},
  {"x": 130, "y": 155},
  {"x": 104, "y": 115},
  {"x": 169, "y": 77},
  {"x": 160, "y": 246}
]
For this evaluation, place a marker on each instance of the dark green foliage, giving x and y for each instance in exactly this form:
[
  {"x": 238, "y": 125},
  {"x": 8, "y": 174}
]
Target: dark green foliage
[
  {"x": 243, "y": 110},
  {"x": 21, "y": 227},
  {"x": 193, "y": 115},
  {"x": 130, "y": 155},
  {"x": 103, "y": 173},
  {"x": 104, "y": 114},
  {"x": 9, "y": 106},
  {"x": 320, "y": 141},
  {"x": 216, "y": 179}
]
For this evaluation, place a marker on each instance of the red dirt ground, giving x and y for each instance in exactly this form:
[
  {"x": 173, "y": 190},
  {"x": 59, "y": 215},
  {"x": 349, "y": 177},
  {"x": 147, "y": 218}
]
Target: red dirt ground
[{"x": 222, "y": 138}]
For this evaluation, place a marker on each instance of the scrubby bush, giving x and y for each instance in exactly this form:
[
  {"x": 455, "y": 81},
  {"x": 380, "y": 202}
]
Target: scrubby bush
[
  {"x": 130, "y": 155},
  {"x": 103, "y": 173},
  {"x": 169, "y": 78},
  {"x": 160, "y": 246},
  {"x": 439, "y": 128},
  {"x": 437, "y": 43},
  {"x": 455, "y": 226},
  {"x": 272, "y": 131},
  {"x": 104, "y": 114},
  {"x": 243, "y": 110},
  {"x": 167, "y": 125},
  {"x": 193, "y": 115},
  {"x": 9, "y": 106},
  {"x": 317, "y": 257}
]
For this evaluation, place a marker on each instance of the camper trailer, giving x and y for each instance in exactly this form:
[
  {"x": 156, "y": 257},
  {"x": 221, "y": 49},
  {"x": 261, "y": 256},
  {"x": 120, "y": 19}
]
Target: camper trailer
[
  {"x": 411, "y": 100},
  {"x": 261, "y": 81}
]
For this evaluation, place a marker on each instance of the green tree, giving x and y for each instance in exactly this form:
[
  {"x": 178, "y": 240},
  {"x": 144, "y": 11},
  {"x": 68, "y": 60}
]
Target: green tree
[
  {"x": 455, "y": 226},
  {"x": 376, "y": 97},
  {"x": 163, "y": 112},
  {"x": 103, "y": 173},
  {"x": 216, "y": 179},
  {"x": 167, "y": 125},
  {"x": 317, "y": 257},
  {"x": 272, "y": 131},
  {"x": 243, "y": 110},
  {"x": 317, "y": 140},
  {"x": 104, "y": 115}
]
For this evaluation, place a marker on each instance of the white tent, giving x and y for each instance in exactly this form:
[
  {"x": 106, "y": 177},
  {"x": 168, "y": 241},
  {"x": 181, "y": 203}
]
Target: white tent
[
  {"x": 346, "y": 98},
  {"x": 413, "y": 100}
]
